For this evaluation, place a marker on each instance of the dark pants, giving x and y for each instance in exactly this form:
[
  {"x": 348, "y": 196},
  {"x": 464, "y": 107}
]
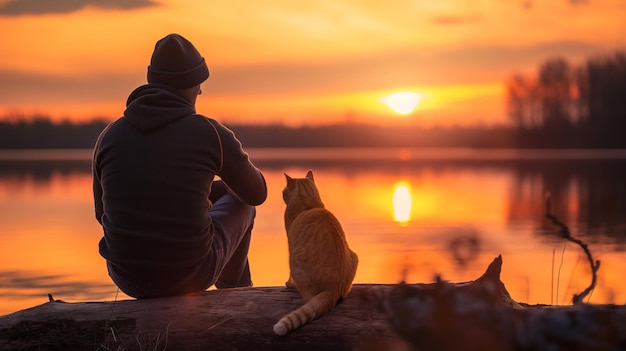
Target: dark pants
[
  {"x": 226, "y": 265},
  {"x": 233, "y": 222}
]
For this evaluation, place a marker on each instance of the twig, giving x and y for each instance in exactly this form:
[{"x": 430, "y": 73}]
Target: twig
[
  {"x": 552, "y": 280},
  {"x": 565, "y": 233},
  {"x": 218, "y": 323},
  {"x": 167, "y": 332},
  {"x": 106, "y": 324},
  {"x": 558, "y": 277},
  {"x": 107, "y": 327}
]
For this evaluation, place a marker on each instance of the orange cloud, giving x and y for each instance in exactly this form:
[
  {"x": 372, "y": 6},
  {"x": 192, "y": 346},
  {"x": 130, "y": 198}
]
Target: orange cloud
[{"x": 41, "y": 7}]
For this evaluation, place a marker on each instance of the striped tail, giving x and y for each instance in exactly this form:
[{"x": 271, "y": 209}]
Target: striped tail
[{"x": 314, "y": 308}]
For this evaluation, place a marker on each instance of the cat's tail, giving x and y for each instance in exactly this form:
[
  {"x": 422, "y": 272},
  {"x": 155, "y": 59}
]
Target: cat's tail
[{"x": 314, "y": 308}]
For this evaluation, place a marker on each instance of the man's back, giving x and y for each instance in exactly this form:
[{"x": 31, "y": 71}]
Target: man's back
[{"x": 153, "y": 170}]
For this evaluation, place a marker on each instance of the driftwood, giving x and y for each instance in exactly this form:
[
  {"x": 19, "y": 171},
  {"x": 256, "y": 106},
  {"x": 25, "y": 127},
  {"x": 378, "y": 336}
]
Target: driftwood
[
  {"x": 232, "y": 319},
  {"x": 481, "y": 315},
  {"x": 477, "y": 315}
]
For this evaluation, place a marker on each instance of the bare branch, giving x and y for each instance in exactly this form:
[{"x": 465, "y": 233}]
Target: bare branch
[{"x": 566, "y": 234}]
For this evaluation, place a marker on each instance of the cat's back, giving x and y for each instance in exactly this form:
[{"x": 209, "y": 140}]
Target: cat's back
[
  {"x": 317, "y": 220},
  {"x": 318, "y": 246},
  {"x": 318, "y": 233}
]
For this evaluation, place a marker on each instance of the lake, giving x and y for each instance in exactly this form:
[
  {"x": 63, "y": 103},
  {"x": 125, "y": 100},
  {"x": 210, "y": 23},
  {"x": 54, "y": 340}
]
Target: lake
[{"x": 410, "y": 214}]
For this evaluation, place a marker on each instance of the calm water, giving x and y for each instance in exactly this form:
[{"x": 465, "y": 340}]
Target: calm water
[{"x": 409, "y": 214}]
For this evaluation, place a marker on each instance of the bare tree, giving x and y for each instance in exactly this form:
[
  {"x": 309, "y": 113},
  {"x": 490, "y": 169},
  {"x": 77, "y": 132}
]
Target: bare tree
[
  {"x": 556, "y": 86},
  {"x": 523, "y": 102}
]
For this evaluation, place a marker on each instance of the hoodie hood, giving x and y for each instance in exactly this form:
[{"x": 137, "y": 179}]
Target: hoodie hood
[{"x": 153, "y": 106}]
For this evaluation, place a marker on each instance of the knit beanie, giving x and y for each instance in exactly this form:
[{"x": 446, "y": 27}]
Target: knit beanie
[{"x": 177, "y": 63}]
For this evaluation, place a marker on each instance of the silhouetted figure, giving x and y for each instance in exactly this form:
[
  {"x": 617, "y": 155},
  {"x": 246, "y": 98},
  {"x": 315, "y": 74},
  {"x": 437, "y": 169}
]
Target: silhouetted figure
[{"x": 170, "y": 227}]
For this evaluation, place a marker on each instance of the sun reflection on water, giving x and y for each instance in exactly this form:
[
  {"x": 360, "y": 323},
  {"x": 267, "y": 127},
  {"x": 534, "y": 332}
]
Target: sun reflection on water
[{"x": 402, "y": 202}]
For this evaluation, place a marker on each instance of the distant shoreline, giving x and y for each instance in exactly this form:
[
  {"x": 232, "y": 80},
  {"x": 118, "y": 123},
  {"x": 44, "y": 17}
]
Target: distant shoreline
[
  {"x": 356, "y": 153},
  {"x": 45, "y": 134}
]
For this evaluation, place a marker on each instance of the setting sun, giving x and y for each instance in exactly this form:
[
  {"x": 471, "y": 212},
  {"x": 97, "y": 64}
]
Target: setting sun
[{"x": 402, "y": 103}]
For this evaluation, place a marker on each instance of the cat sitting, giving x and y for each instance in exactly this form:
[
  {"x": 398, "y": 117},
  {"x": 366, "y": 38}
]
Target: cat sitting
[{"x": 322, "y": 266}]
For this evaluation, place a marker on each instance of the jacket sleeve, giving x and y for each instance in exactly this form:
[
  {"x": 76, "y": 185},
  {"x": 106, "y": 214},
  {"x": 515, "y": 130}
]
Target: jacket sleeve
[
  {"x": 95, "y": 173},
  {"x": 243, "y": 178},
  {"x": 97, "y": 197}
]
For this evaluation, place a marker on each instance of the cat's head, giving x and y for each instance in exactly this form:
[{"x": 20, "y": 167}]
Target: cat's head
[{"x": 303, "y": 187}]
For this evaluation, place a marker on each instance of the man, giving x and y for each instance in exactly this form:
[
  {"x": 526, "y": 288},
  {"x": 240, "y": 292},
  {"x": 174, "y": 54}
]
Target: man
[{"x": 170, "y": 227}]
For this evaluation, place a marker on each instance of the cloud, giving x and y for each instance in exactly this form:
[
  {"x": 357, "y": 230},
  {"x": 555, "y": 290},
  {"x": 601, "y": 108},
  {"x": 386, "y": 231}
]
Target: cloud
[
  {"x": 30, "y": 87},
  {"x": 528, "y": 4},
  {"x": 376, "y": 71},
  {"x": 42, "y": 7},
  {"x": 389, "y": 70},
  {"x": 455, "y": 19}
]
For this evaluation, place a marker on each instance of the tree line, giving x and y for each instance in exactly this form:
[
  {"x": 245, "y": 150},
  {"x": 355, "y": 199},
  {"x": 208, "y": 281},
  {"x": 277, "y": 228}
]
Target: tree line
[
  {"x": 567, "y": 105},
  {"x": 42, "y": 132}
]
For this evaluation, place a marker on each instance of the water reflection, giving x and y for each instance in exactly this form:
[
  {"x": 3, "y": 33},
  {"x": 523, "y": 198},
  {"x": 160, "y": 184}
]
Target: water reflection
[
  {"x": 402, "y": 203},
  {"x": 589, "y": 196},
  {"x": 23, "y": 284},
  {"x": 408, "y": 217}
]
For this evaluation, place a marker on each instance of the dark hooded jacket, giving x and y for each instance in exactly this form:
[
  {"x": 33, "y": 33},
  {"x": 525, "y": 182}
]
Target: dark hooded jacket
[{"x": 152, "y": 174}]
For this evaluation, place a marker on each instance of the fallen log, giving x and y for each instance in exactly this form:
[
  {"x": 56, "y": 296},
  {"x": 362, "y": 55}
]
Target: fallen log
[
  {"x": 232, "y": 319},
  {"x": 483, "y": 316},
  {"x": 438, "y": 316}
]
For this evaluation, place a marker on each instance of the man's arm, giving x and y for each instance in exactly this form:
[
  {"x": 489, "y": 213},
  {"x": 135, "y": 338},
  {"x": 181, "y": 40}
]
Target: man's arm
[
  {"x": 243, "y": 178},
  {"x": 97, "y": 192},
  {"x": 95, "y": 174}
]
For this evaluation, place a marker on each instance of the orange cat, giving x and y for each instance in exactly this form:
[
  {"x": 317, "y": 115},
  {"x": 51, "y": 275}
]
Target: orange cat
[{"x": 322, "y": 266}]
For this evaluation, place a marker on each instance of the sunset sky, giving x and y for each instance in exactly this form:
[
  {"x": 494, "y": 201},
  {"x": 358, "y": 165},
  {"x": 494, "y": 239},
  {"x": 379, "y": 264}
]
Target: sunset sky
[{"x": 297, "y": 62}]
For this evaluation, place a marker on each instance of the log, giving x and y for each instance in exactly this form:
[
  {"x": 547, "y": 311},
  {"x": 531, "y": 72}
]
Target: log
[
  {"x": 230, "y": 319},
  {"x": 483, "y": 316},
  {"x": 476, "y": 315}
]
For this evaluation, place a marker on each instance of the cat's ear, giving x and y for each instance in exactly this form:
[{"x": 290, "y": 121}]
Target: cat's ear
[
  {"x": 309, "y": 174},
  {"x": 288, "y": 178}
]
